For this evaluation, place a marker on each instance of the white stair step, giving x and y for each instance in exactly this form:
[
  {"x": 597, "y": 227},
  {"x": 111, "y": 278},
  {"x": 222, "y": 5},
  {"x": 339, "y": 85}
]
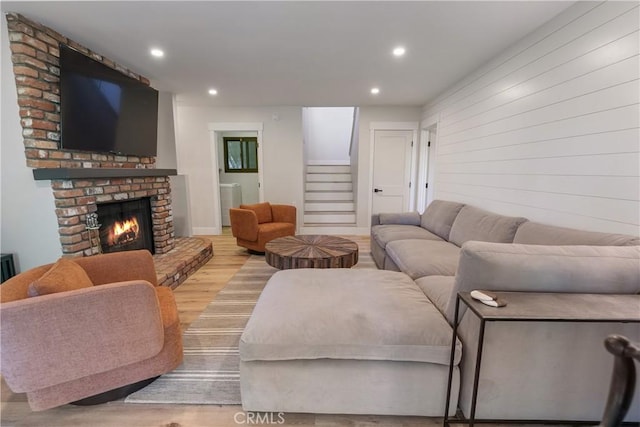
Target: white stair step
[
  {"x": 328, "y": 195},
  {"x": 328, "y": 169},
  {"x": 329, "y": 186},
  {"x": 328, "y": 177},
  {"x": 328, "y": 207},
  {"x": 330, "y": 218},
  {"x": 325, "y": 225}
]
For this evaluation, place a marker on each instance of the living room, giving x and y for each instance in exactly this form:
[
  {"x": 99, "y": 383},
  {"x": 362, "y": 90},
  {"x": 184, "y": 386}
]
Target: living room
[{"x": 520, "y": 133}]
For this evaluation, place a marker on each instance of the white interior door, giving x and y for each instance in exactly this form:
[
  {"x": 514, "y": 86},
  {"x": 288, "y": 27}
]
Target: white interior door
[{"x": 391, "y": 170}]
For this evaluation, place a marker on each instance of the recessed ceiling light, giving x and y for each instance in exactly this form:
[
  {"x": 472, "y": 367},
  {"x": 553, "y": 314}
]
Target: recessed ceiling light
[
  {"x": 375, "y": 91},
  {"x": 399, "y": 51},
  {"x": 213, "y": 92},
  {"x": 158, "y": 53}
]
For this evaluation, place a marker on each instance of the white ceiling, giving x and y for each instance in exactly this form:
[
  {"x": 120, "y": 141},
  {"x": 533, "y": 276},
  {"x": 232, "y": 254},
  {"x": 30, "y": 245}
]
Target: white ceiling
[{"x": 322, "y": 53}]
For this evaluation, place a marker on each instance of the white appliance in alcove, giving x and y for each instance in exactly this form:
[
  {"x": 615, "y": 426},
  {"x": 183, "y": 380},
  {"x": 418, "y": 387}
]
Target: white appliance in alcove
[{"x": 230, "y": 197}]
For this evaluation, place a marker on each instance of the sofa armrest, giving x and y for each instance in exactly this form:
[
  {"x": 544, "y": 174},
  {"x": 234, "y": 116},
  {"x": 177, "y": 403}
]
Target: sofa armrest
[
  {"x": 284, "y": 213},
  {"x": 120, "y": 267},
  {"x": 244, "y": 224},
  {"x": 541, "y": 268},
  {"x": 52, "y": 339},
  {"x": 403, "y": 218}
]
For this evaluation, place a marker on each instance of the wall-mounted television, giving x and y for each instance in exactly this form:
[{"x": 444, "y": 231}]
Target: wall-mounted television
[{"x": 103, "y": 110}]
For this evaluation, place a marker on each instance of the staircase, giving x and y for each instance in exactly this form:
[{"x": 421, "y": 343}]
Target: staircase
[{"x": 328, "y": 200}]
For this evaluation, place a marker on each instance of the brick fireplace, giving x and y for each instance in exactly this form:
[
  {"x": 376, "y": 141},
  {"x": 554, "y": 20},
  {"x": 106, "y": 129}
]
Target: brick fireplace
[
  {"x": 75, "y": 198},
  {"x": 126, "y": 226},
  {"x": 80, "y": 180}
]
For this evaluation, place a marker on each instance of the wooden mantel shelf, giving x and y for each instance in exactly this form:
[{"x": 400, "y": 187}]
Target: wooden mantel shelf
[{"x": 80, "y": 173}]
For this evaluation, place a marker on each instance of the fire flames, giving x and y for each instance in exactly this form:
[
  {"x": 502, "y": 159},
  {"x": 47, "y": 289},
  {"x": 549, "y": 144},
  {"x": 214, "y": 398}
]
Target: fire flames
[{"x": 124, "y": 231}]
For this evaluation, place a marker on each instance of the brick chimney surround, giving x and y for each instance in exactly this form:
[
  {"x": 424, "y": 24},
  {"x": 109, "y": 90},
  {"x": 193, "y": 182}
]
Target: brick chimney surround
[{"x": 79, "y": 179}]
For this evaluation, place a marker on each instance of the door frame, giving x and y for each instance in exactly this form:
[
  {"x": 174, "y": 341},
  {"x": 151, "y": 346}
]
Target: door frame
[
  {"x": 421, "y": 197},
  {"x": 215, "y": 129},
  {"x": 409, "y": 126},
  {"x": 429, "y": 127}
]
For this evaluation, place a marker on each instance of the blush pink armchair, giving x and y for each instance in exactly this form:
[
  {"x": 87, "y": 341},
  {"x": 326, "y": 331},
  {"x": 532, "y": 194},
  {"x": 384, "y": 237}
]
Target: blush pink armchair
[{"x": 101, "y": 341}]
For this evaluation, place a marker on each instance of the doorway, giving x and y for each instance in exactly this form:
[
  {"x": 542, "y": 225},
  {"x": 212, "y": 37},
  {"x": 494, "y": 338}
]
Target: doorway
[
  {"x": 427, "y": 165},
  {"x": 425, "y": 168},
  {"x": 250, "y": 178},
  {"x": 238, "y": 163},
  {"x": 238, "y": 169}
]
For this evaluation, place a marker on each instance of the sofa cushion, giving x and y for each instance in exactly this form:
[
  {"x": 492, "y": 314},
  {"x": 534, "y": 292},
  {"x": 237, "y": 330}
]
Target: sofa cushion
[
  {"x": 345, "y": 314},
  {"x": 272, "y": 230},
  {"x": 64, "y": 275},
  {"x": 262, "y": 211},
  {"x": 438, "y": 289},
  {"x": 534, "y": 233},
  {"x": 538, "y": 268},
  {"x": 403, "y": 218},
  {"x": 477, "y": 224},
  {"x": 384, "y": 234},
  {"x": 439, "y": 216},
  {"x": 418, "y": 258}
]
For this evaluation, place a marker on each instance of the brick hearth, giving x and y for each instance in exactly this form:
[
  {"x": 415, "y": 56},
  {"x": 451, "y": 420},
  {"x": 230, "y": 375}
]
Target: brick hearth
[{"x": 189, "y": 254}]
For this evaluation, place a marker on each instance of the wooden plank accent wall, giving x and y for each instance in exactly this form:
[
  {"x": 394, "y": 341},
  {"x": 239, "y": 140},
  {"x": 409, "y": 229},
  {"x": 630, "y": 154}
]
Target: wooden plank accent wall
[{"x": 550, "y": 128}]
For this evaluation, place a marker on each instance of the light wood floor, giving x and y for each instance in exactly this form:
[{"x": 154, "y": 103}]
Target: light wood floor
[{"x": 192, "y": 297}]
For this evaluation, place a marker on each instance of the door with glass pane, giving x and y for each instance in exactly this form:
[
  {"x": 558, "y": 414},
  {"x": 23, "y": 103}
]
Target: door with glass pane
[{"x": 240, "y": 155}]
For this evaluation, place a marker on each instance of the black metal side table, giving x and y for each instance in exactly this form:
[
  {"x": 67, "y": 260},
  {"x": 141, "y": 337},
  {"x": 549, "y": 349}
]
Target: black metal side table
[
  {"x": 8, "y": 267},
  {"x": 538, "y": 307}
]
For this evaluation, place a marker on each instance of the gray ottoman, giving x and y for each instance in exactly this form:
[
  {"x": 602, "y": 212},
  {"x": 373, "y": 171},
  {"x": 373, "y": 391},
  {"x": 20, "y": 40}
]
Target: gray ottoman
[{"x": 346, "y": 341}]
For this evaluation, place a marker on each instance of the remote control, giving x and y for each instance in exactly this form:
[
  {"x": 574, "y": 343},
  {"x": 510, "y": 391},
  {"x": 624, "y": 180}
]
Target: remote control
[
  {"x": 488, "y": 298},
  {"x": 483, "y": 295}
]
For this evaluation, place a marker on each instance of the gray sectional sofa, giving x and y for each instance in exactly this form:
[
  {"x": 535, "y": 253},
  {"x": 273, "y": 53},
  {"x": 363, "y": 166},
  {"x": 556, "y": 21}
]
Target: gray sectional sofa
[
  {"x": 399, "y": 242},
  {"x": 377, "y": 342}
]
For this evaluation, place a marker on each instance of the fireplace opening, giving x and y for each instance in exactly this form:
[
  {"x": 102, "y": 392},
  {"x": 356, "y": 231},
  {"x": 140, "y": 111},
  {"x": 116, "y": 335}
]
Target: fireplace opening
[{"x": 126, "y": 226}]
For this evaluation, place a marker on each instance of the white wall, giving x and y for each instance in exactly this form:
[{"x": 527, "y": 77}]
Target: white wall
[
  {"x": 328, "y": 134},
  {"x": 248, "y": 181},
  {"x": 364, "y": 146},
  {"x": 166, "y": 158},
  {"x": 29, "y": 227},
  {"x": 282, "y": 149},
  {"x": 550, "y": 128}
]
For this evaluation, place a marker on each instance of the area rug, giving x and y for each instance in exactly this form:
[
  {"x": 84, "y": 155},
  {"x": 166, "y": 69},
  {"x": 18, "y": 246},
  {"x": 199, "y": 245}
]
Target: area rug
[{"x": 209, "y": 374}]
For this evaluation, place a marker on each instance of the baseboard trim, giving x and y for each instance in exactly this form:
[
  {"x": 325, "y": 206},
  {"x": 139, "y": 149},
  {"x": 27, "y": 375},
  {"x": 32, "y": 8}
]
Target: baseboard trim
[{"x": 328, "y": 163}]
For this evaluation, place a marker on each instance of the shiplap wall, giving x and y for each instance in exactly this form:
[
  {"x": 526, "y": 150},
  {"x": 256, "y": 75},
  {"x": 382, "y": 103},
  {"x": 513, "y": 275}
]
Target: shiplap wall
[{"x": 550, "y": 129}]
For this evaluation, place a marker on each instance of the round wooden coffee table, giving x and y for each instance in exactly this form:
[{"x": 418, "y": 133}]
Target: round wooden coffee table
[{"x": 311, "y": 251}]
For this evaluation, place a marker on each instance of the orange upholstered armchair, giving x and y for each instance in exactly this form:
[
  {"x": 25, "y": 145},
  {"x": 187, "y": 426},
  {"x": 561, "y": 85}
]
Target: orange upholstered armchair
[
  {"x": 87, "y": 330},
  {"x": 255, "y": 225}
]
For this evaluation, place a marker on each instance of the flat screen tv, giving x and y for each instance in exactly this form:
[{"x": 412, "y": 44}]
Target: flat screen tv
[{"x": 103, "y": 110}]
